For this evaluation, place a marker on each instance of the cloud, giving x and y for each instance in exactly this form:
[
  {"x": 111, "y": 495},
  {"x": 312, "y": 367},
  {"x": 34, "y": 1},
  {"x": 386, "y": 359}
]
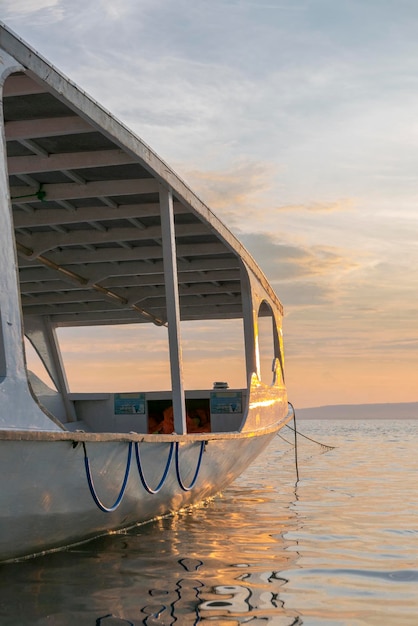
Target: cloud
[
  {"x": 236, "y": 185},
  {"x": 39, "y": 10},
  {"x": 76, "y": 13},
  {"x": 228, "y": 84},
  {"x": 324, "y": 260},
  {"x": 344, "y": 204},
  {"x": 283, "y": 262},
  {"x": 236, "y": 193},
  {"x": 304, "y": 294},
  {"x": 23, "y": 7},
  {"x": 244, "y": 195}
]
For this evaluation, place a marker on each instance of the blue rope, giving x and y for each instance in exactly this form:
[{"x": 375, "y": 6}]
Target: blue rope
[
  {"x": 192, "y": 484},
  {"x": 101, "y": 506},
  {"x": 145, "y": 484},
  {"x": 141, "y": 473}
]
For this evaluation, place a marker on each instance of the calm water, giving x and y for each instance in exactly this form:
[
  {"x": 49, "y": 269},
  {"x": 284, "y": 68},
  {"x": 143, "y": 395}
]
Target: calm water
[{"x": 340, "y": 547}]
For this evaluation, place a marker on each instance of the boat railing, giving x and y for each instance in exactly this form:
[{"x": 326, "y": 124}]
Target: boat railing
[
  {"x": 215, "y": 410},
  {"x": 151, "y": 412}
]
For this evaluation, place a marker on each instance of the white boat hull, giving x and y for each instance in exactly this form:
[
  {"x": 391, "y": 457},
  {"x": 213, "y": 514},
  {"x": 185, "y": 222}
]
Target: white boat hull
[{"x": 46, "y": 503}]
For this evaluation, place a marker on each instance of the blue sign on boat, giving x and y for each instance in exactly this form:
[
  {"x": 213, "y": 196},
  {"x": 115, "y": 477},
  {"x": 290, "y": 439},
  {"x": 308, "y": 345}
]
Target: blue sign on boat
[
  {"x": 226, "y": 402},
  {"x": 129, "y": 403}
]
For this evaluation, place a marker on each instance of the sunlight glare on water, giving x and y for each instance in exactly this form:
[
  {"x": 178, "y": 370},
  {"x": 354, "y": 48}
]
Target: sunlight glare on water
[{"x": 338, "y": 548}]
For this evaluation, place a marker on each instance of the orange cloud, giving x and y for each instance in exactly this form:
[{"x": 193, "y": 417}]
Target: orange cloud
[
  {"x": 243, "y": 187},
  {"x": 283, "y": 262},
  {"x": 321, "y": 260},
  {"x": 343, "y": 204}
]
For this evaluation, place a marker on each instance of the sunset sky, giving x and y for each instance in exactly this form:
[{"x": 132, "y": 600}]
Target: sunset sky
[{"x": 296, "y": 121}]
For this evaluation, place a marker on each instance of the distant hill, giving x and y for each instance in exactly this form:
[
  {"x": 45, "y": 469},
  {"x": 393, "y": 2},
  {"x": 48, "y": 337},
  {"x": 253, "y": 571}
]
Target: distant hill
[{"x": 402, "y": 410}]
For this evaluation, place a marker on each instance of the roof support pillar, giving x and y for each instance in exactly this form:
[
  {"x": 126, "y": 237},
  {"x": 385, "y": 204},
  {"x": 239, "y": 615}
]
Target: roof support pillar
[
  {"x": 250, "y": 329},
  {"x": 173, "y": 308},
  {"x": 12, "y": 365}
]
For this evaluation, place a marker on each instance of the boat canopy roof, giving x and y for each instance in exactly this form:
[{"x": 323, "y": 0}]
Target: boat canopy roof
[{"x": 85, "y": 194}]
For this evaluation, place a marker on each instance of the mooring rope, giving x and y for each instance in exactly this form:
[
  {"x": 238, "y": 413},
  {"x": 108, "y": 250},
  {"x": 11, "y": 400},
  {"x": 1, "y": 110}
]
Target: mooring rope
[
  {"x": 284, "y": 439},
  {"x": 323, "y": 445},
  {"x": 93, "y": 492},
  {"x": 141, "y": 473},
  {"x": 296, "y": 432},
  {"x": 194, "y": 479},
  {"x": 296, "y": 441}
]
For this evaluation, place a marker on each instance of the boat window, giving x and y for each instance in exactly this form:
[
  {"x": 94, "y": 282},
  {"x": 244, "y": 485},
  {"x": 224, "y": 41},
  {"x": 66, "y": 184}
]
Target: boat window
[
  {"x": 213, "y": 351},
  {"x": 136, "y": 356},
  {"x": 35, "y": 365},
  {"x": 268, "y": 345},
  {"x": 116, "y": 358}
]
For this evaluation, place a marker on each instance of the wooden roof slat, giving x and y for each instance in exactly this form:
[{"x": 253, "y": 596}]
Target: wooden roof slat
[
  {"x": 21, "y": 85},
  {"x": 189, "y": 278},
  {"x": 129, "y": 317},
  {"x": 66, "y": 257},
  {"x": 42, "y": 242},
  {"x": 48, "y": 127},
  {"x": 67, "y": 161},
  {"x": 48, "y": 216},
  {"x": 95, "y": 189},
  {"x": 133, "y": 294},
  {"x": 136, "y": 273}
]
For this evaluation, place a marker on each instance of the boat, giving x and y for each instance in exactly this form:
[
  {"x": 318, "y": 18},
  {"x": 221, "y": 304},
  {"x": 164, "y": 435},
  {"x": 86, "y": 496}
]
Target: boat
[{"x": 97, "y": 230}]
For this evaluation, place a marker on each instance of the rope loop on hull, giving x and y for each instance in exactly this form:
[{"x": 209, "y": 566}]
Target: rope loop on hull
[
  {"x": 173, "y": 446},
  {"x": 141, "y": 473},
  {"x": 194, "y": 479},
  {"x": 93, "y": 492}
]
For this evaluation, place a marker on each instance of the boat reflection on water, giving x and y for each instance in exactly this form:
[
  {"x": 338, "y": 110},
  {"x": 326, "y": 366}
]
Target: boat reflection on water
[
  {"x": 260, "y": 594},
  {"x": 255, "y": 599},
  {"x": 243, "y": 604}
]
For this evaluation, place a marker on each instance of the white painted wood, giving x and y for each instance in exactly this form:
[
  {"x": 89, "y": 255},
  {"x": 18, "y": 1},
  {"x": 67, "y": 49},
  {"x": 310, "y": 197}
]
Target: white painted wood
[
  {"x": 42, "y": 242},
  {"x": 146, "y": 273},
  {"x": 120, "y": 254},
  {"x": 33, "y": 147},
  {"x": 21, "y": 85},
  {"x": 49, "y": 127},
  {"x": 67, "y": 191},
  {"x": 49, "y": 217},
  {"x": 154, "y": 297},
  {"x": 142, "y": 282},
  {"x": 67, "y": 161},
  {"x": 183, "y": 277}
]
